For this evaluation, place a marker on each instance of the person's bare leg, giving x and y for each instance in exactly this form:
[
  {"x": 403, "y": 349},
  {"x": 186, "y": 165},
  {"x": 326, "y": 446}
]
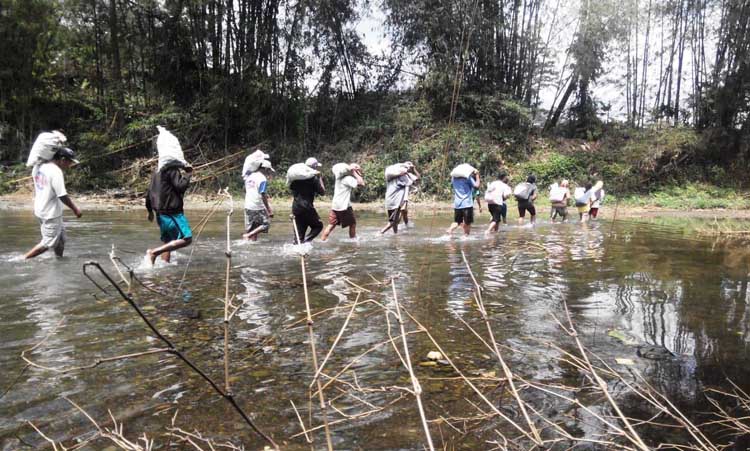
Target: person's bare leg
[
  {"x": 327, "y": 232},
  {"x": 253, "y": 234},
  {"x": 353, "y": 231},
  {"x": 453, "y": 227},
  {"x": 405, "y": 216},
  {"x": 386, "y": 228},
  {"x": 166, "y": 257},
  {"x": 169, "y": 247},
  {"x": 492, "y": 227},
  {"x": 467, "y": 229},
  {"x": 36, "y": 250},
  {"x": 533, "y": 219},
  {"x": 60, "y": 249}
]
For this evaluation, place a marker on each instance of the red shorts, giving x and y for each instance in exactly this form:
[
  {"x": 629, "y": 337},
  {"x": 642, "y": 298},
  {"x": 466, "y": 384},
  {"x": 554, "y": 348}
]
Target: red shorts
[
  {"x": 593, "y": 212},
  {"x": 343, "y": 218}
]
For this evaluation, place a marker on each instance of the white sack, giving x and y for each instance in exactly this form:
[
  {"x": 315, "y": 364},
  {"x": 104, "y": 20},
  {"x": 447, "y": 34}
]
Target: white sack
[
  {"x": 557, "y": 193},
  {"x": 299, "y": 171},
  {"x": 341, "y": 169},
  {"x": 253, "y": 161},
  {"x": 169, "y": 149},
  {"x": 581, "y": 196},
  {"x": 395, "y": 170},
  {"x": 45, "y": 147},
  {"x": 463, "y": 171}
]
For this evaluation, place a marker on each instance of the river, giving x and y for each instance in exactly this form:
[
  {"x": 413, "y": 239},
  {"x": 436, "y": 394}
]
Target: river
[{"x": 671, "y": 304}]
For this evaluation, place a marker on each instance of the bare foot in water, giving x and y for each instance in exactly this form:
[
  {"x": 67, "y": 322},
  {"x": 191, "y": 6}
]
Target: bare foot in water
[{"x": 151, "y": 256}]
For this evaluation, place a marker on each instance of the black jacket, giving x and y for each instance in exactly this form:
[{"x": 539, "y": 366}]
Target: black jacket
[
  {"x": 168, "y": 186},
  {"x": 304, "y": 192}
]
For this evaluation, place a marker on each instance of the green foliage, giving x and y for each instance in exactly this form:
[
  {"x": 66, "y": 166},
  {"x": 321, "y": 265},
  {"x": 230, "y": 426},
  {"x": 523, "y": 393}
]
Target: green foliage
[
  {"x": 551, "y": 168},
  {"x": 691, "y": 196}
]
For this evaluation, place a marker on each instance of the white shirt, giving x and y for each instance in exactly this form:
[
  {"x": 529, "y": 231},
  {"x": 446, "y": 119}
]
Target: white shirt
[
  {"x": 596, "y": 203},
  {"x": 49, "y": 187},
  {"x": 496, "y": 193},
  {"x": 342, "y": 193},
  {"x": 255, "y": 186}
]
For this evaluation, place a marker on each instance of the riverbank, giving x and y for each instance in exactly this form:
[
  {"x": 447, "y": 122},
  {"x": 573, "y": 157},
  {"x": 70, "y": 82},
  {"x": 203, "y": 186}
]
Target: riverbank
[{"x": 657, "y": 205}]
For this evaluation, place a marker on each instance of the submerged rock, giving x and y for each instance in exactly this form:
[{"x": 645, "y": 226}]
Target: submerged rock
[{"x": 653, "y": 352}]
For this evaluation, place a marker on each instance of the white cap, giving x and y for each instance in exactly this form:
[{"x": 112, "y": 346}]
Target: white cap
[
  {"x": 267, "y": 165},
  {"x": 313, "y": 163}
]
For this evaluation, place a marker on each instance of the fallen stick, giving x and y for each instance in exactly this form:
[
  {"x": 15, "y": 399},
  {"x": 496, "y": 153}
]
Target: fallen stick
[{"x": 176, "y": 352}]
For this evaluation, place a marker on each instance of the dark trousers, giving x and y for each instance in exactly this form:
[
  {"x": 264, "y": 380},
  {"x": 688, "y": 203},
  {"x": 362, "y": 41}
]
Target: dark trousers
[{"x": 304, "y": 219}]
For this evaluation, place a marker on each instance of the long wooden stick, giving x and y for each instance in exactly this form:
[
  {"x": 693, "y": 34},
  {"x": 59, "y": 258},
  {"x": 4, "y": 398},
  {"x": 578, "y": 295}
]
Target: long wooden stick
[
  {"x": 414, "y": 380},
  {"x": 227, "y": 299},
  {"x": 506, "y": 369},
  {"x": 311, "y": 335}
]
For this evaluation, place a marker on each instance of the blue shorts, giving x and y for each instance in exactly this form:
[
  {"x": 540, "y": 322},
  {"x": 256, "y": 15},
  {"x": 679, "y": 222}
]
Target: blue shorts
[{"x": 174, "y": 227}]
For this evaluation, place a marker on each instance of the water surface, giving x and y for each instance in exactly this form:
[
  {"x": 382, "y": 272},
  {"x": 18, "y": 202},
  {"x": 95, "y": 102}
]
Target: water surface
[{"x": 656, "y": 284}]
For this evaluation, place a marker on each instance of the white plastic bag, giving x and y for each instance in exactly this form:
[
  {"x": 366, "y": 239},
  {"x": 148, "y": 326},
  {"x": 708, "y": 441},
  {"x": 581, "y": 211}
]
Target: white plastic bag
[
  {"x": 45, "y": 147},
  {"x": 557, "y": 193},
  {"x": 299, "y": 171},
  {"x": 341, "y": 169},
  {"x": 169, "y": 149},
  {"x": 395, "y": 170},
  {"x": 463, "y": 171}
]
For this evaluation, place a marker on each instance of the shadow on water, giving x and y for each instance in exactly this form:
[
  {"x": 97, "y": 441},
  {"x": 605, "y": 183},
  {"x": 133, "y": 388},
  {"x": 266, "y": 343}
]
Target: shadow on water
[{"x": 674, "y": 304}]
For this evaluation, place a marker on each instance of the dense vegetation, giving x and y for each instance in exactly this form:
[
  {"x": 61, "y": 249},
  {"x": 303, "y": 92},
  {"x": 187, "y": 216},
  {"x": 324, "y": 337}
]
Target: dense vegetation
[{"x": 458, "y": 81}]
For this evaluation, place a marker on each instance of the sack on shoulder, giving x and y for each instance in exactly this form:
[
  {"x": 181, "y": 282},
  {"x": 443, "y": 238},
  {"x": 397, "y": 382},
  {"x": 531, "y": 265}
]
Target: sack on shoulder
[{"x": 522, "y": 191}]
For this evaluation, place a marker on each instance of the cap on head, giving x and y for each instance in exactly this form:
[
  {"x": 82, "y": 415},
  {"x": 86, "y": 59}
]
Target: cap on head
[
  {"x": 355, "y": 167},
  {"x": 409, "y": 164},
  {"x": 267, "y": 165},
  {"x": 313, "y": 163},
  {"x": 564, "y": 183},
  {"x": 65, "y": 153}
]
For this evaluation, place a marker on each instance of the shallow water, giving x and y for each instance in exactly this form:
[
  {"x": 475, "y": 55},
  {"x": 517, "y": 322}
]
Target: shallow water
[{"x": 655, "y": 284}]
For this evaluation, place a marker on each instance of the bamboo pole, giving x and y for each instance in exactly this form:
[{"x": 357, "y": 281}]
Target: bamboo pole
[
  {"x": 311, "y": 335},
  {"x": 227, "y": 299},
  {"x": 414, "y": 380}
]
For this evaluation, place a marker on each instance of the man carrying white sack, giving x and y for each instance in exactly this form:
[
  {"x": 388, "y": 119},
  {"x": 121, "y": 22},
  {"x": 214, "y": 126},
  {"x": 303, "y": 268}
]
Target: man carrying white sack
[
  {"x": 398, "y": 178},
  {"x": 257, "y": 207},
  {"x": 306, "y": 185},
  {"x": 49, "y": 158},
  {"x": 165, "y": 197},
  {"x": 348, "y": 177}
]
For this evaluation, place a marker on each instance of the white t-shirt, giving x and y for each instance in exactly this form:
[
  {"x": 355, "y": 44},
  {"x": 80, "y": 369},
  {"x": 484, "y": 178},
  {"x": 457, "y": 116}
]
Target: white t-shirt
[
  {"x": 496, "y": 192},
  {"x": 255, "y": 186},
  {"x": 342, "y": 193},
  {"x": 49, "y": 186},
  {"x": 597, "y": 199}
]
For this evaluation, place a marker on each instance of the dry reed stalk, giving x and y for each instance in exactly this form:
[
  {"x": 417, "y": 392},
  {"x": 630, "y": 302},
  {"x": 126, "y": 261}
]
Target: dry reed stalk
[
  {"x": 506, "y": 370},
  {"x": 414, "y": 380},
  {"x": 176, "y": 352},
  {"x": 468, "y": 382},
  {"x": 335, "y": 342},
  {"x": 311, "y": 336},
  {"x": 632, "y": 435}
]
